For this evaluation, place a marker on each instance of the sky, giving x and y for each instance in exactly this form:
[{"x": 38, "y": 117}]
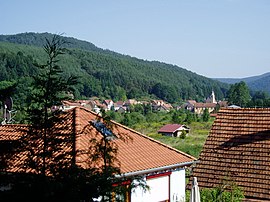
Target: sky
[{"x": 213, "y": 38}]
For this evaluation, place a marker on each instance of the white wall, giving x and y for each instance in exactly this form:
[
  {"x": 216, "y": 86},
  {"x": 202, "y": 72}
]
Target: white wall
[
  {"x": 137, "y": 194},
  {"x": 178, "y": 186},
  {"x": 159, "y": 188}
]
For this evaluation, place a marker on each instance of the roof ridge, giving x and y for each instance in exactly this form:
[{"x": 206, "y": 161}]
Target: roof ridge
[{"x": 244, "y": 109}]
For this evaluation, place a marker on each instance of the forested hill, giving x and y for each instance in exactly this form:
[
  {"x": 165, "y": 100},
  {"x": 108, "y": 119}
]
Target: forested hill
[
  {"x": 255, "y": 83},
  {"x": 103, "y": 73}
]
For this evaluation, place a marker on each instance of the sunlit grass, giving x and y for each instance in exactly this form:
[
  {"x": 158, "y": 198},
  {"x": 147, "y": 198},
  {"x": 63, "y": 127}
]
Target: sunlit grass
[{"x": 192, "y": 144}]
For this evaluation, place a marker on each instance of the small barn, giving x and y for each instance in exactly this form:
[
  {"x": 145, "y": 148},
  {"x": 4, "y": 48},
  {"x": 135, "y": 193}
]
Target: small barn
[{"x": 173, "y": 130}]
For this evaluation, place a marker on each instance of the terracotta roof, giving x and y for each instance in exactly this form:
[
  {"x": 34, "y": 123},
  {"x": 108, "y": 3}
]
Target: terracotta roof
[
  {"x": 71, "y": 103},
  {"x": 107, "y": 102},
  {"x": 168, "y": 106},
  {"x": 139, "y": 152},
  {"x": 157, "y": 102},
  {"x": 191, "y": 102},
  {"x": 204, "y": 105},
  {"x": 12, "y": 132},
  {"x": 136, "y": 152},
  {"x": 169, "y": 128},
  {"x": 238, "y": 148},
  {"x": 119, "y": 103},
  {"x": 130, "y": 102}
]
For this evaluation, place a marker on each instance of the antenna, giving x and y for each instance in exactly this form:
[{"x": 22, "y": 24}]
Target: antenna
[{"x": 7, "y": 110}]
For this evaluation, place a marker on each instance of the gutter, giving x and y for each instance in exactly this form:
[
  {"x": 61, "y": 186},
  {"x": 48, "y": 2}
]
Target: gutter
[{"x": 152, "y": 170}]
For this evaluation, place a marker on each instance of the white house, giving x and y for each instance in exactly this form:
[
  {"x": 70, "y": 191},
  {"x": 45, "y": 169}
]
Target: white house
[{"x": 109, "y": 104}]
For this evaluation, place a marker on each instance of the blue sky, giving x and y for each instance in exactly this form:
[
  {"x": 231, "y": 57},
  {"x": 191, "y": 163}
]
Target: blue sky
[{"x": 214, "y": 38}]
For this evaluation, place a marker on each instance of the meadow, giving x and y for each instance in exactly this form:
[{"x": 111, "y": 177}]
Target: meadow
[{"x": 193, "y": 142}]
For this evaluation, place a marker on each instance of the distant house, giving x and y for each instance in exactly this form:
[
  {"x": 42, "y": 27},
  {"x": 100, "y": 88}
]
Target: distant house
[
  {"x": 199, "y": 107},
  {"x": 157, "y": 102},
  {"x": 160, "y": 105},
  {"x": 210, "y": 104},
  {"x": 108, "y": 104},
  {"x": 129, "y": 102},
  {"x": 118, "y": 105},
  {"x": 121, "y": 110},
  {"x": 222, "y": 104},
  {"x": 238, "y": 150},
  {"x": 93, "y": 105},
  {"x": 162, "y": 108},
  {"x": 161, "y": 166},
  {"x": 173, "y": 130},
  {"x": 69, "y": 104}
]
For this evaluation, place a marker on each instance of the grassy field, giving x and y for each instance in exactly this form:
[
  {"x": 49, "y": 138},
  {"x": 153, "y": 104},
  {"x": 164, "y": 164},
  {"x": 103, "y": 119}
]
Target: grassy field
[{"x": 192, "y": 144}]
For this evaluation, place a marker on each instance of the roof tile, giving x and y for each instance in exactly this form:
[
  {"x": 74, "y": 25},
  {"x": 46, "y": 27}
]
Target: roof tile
[{"x": 238, "y": 147}]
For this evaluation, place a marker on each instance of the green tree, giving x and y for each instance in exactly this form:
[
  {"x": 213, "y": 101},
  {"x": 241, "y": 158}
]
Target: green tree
[
  {"x": 223, "y": 193},
  {"x": 190, "y": 117},
  {"x": 228, "y": 191},
  {"x": 259, "y": 99},
  {"x": 176, "y": 118},
  {"x": 205, "y": 115},
  {"x": 55, "y": 176},
  {"x": 50, "y": 87},
  {"x": 7, "y": 89},
  {"x": 179, "y": 116},
  {"x": 238, "y": 94},
  {"x": 147, "y": 108},
  {"x": 42, "y": 145}
]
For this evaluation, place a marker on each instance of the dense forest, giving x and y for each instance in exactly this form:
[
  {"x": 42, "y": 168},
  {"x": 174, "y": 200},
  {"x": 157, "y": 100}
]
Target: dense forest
[{"x": 102, "y": 73}]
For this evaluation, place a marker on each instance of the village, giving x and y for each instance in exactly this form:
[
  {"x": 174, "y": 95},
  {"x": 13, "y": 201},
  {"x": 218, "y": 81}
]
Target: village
[
  {"x": 235, "y": 153},
  {"x": 135, "y": 101},
  {"x": 210, "y": 104}
]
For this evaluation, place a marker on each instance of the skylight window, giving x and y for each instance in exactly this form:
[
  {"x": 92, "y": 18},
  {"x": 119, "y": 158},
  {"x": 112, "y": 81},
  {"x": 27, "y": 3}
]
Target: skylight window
[{"x": 102, "y": 128}]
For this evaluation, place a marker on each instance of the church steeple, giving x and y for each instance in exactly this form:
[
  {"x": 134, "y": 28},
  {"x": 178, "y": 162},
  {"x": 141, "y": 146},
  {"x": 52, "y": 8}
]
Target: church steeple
[{"x": 211, "y": 98}]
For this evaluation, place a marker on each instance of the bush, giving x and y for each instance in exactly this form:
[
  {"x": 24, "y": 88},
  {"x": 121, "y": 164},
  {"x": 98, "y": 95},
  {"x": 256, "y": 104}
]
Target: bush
[
  {"x": 183, "y": 134},
  {"x": 227, "y": 192}
]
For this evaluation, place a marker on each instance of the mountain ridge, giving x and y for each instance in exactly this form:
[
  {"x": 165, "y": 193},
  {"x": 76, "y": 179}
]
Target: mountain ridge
[
  {"x": 105, "y": 73},
  {"x": 255, "y": 83}
]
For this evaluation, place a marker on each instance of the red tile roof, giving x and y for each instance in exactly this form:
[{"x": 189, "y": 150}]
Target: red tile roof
[
  {"x": 139, "y": 152},
  {"x": 169, "y": 128},
  {"x": 238, "y": 148},
  {"x": 193, "y": 102},
  {"x": 12, "y": 132},
  {"x": 204, "y": 105}
]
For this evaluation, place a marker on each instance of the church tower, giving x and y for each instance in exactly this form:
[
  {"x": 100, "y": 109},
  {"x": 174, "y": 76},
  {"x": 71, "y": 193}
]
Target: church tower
[{"x": 211, "y": 98}]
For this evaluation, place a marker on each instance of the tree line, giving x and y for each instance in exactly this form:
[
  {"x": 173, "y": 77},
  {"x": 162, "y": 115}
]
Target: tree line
[
  {"x": 239, "y": 94},
  {"x": 103, "y": 73}
]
